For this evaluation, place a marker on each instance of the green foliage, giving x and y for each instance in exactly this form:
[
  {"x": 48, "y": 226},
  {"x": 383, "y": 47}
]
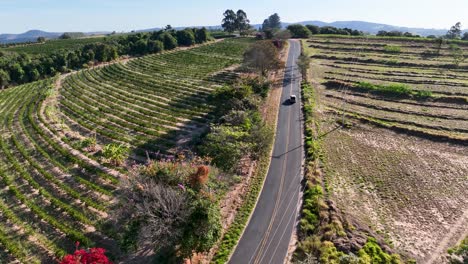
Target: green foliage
[
  {"x": 394, "y": 89},
  {"x": 201, "y": 35},
  {"x": 229, "y": 21},
  {"x": 396, "y": 33},
  {"x": 185, "y": 37},
  {"x": 272, "y": 23},
  {"x": 204, "y": 227},
  {"x": 392, "y": 49},
  {"x": 459, "y": 254},
  {"x": 155, "y": 46},
  {"x": 226, "y": 145},
  {"x": 169, "y": 41},
  {"x": 454, "y": 32},
  {"x": 115, "y": 153},
  {"x": 4, "y": 78},
  {"x": 313, "y": 29},
  {"x": 373, "y": 253},
  {"x": 299, "y": 31},
  {"x": 329, "y": 30}
]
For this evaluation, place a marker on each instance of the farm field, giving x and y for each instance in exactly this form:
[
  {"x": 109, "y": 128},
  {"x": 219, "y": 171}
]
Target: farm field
[
  {"x": 399, "y": 165},
  {"x": 54, "y": 189},
  {"x": 52, "y": 46}
]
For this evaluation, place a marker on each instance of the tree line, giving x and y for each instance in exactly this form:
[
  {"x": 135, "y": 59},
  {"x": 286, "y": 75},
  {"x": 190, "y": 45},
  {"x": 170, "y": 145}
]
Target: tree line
[{"x": 19, "y": 68}]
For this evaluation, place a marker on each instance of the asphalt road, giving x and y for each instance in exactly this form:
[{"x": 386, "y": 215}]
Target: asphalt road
[{"x": 268, "y": 233}]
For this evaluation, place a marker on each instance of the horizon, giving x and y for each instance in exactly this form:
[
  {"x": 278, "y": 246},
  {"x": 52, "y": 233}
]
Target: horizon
[{"x": 119, "y": 15}]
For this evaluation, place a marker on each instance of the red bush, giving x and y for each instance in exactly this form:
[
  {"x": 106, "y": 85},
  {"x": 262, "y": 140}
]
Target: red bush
[
  {"x": 91, "y": 256},
  {"x": 200, "y": 177}
]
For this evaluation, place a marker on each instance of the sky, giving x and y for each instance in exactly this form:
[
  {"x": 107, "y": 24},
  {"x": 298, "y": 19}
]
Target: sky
[{"x": 17, "y": 16}]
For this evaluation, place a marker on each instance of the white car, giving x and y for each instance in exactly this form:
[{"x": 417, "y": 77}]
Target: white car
[{"x": 292, "y": 99}]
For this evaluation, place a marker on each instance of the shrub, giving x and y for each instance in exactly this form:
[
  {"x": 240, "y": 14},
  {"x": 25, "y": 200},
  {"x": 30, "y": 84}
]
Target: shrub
[
  {"x": 168, "y": 40},
  {"x": 185, "y": 37},
  {"x": 115, "y": 153},
  {"x": 155, "y": 46},
  {"x": 392, "y": 49},
  {"x": 200, "y": 177},
  {"x": 91, "y": 256},
  {"x": 89, "y": 144},
  {"x": 299, "y": 31}
]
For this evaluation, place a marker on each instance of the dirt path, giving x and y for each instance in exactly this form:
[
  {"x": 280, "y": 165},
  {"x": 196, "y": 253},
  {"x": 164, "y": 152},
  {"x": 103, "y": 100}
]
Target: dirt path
[{"x": 457, "y": 232}]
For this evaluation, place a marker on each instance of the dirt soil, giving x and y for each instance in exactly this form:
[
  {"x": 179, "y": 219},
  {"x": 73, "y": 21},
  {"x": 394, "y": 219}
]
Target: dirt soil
[{"x": 410, "y": 190}]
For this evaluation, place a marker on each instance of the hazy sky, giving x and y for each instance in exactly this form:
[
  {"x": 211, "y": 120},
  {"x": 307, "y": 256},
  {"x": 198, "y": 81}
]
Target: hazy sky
[{"x": 17, "y": 16}]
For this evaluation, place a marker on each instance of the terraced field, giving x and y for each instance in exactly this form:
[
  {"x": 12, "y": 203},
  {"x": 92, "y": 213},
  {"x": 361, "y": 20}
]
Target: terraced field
[
  {"x": 401, "y": 165},
  {"x": 54, "y": 192}
]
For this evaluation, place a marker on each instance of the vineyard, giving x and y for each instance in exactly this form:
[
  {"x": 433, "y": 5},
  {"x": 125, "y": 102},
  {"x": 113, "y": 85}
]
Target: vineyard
[
  {"x": 57, "y": 182},
  {"x": 395, "y": 129}
]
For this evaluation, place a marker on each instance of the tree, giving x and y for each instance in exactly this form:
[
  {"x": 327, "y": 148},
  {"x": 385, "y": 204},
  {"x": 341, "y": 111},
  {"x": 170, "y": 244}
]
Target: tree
[
  {"x": 201, "y": 35},
  {"x": 140, "y": 47},
  {"x": 242, "y": 22},
  {"x": 454, "y": 32},
  {"x": 4, "y": 78},
  {"x": 262, "y": 56},
  {"x": 41, "y": 39},
  {"x": 299, "y": 31},
  {"x": 155, "y": 46},
  {"x": 229, "y": 21},
  {"x": 168, "y": 40},
  {"x": 185, "y": 37},
  {"x": 440, "y": 41},
  {"x": 65, "y": 36},
  {"x": 235, "y": 21},
  {"x": 16, "y": 73},
  {"x": 465, "y": 36},
  {"x": 313, "y": 29},
  {"x": 273, "y": 23}
]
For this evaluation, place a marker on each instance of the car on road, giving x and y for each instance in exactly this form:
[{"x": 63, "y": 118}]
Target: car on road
[{"x": 292, "y": 99}]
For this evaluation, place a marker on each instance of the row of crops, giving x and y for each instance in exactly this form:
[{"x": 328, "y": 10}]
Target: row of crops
[
  {"x": 151, "y": 103},
  {"x": 53, "y": 192},
  {"x": 52, "y": 46},
  {"x": 401, "y": 88}
]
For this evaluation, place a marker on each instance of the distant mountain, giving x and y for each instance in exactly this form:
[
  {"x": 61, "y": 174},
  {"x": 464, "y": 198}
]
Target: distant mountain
[
  {"x": 367, "y": 27},
  {"x": 32, "y": 35}
]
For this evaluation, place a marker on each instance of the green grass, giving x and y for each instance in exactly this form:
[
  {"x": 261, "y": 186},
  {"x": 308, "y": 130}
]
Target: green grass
[
  {"x": 396, "y": 89},
  {"x": 392, "y": 49}
]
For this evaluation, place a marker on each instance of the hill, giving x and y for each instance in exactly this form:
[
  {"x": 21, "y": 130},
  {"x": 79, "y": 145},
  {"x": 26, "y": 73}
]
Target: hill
[{"x": 32, "y": 35}]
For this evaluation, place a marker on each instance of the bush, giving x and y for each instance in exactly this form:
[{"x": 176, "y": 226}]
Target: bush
[
  {"x": 168, "y": 40},
  {"x": 185, "y": 37},
  {"x": 115, "y": 153},
  {"x": 299, "y": 31},
  {"x": 91, "y": 256},
  {"x": 392, "y": 49},
  {"x": 155, "y": 46}
]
